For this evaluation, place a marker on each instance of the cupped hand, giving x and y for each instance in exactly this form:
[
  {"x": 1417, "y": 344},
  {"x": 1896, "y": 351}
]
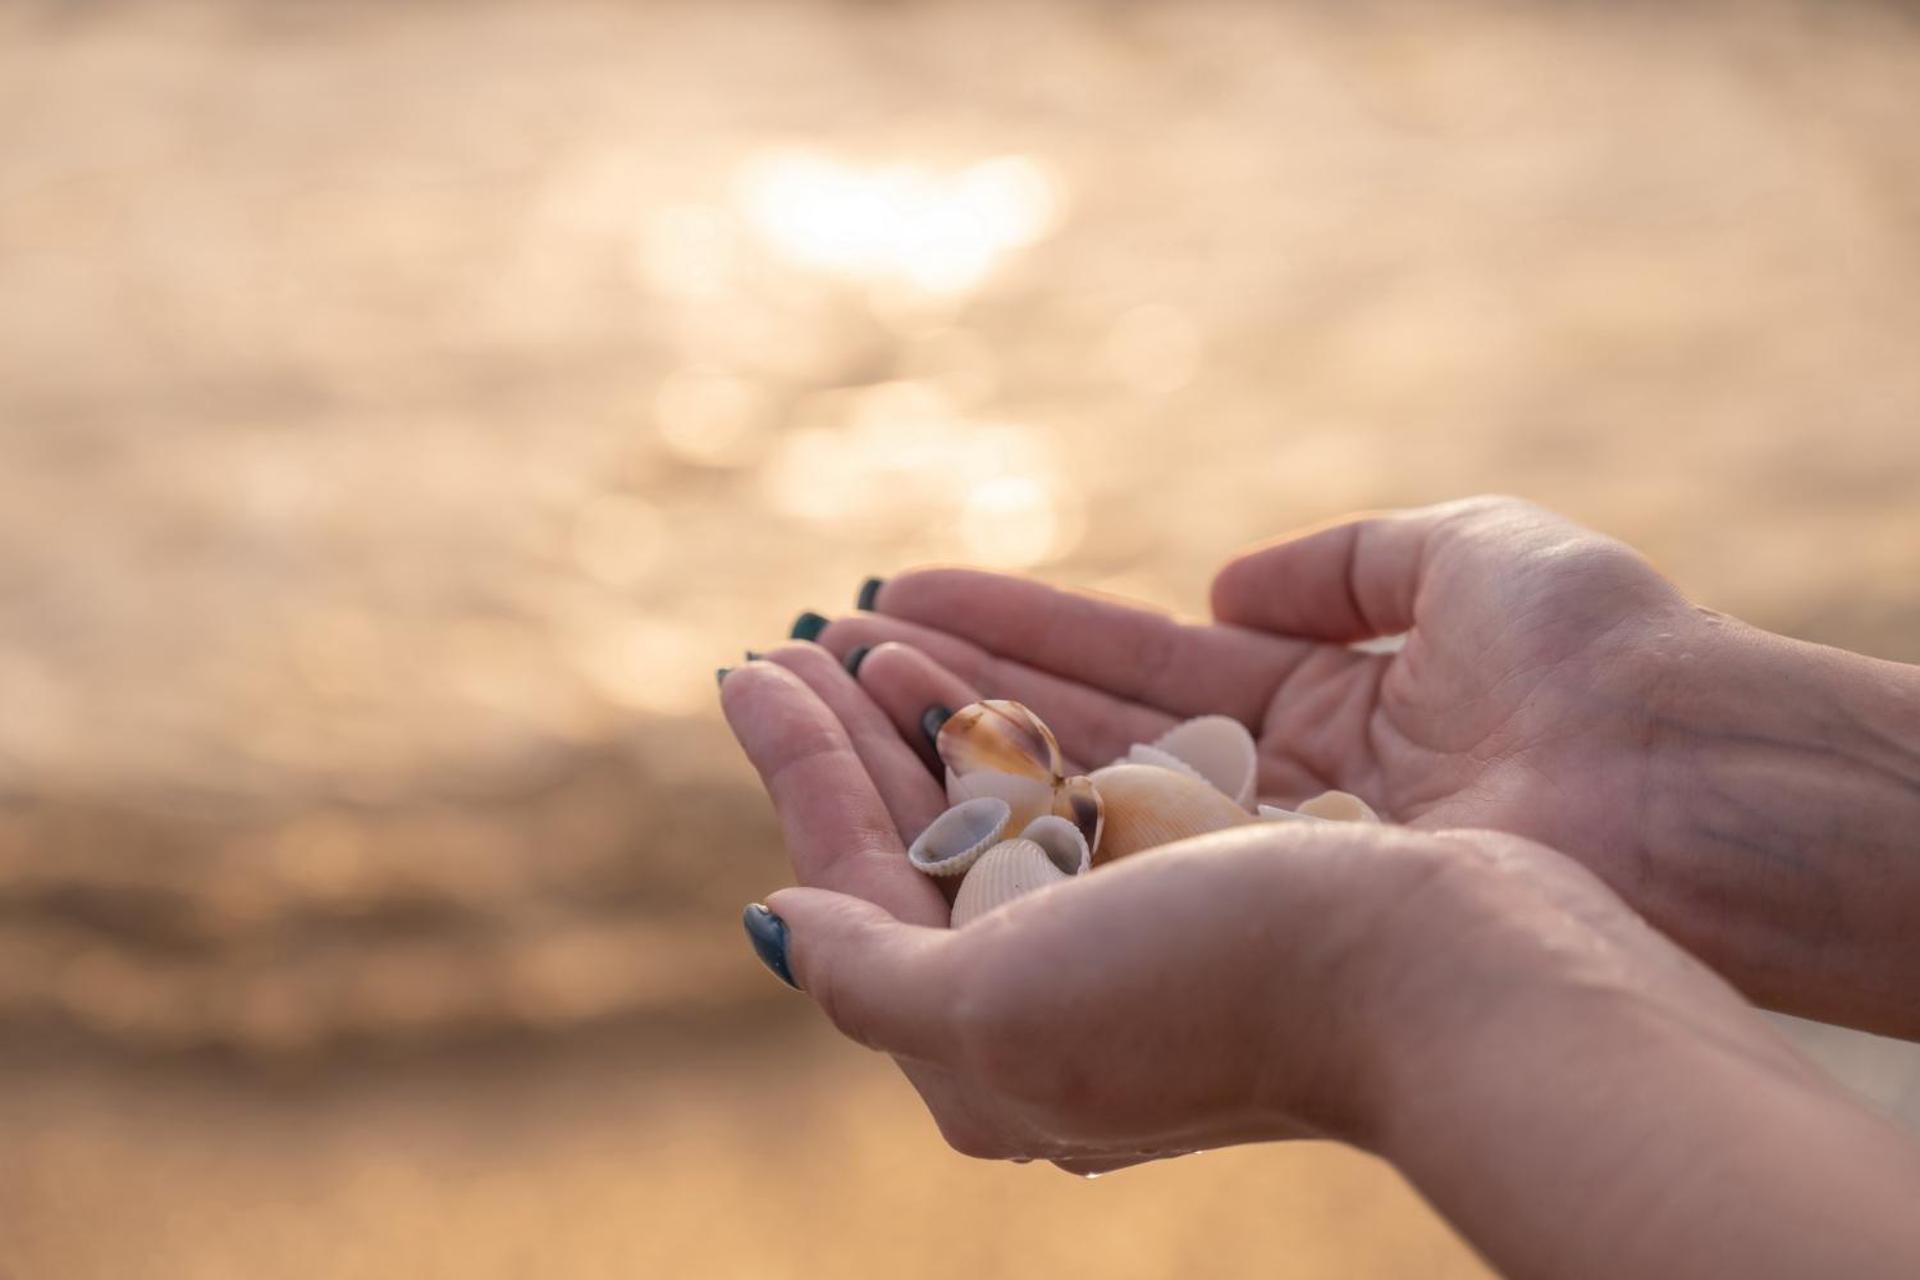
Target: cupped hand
[
  {"x": 1253, "y": 984},
  {"x": 1206, "y": 995},
  {"x": 1539, "y": 662}
]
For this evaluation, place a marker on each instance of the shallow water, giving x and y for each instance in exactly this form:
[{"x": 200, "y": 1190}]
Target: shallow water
[{"x": 403, "y": 408}]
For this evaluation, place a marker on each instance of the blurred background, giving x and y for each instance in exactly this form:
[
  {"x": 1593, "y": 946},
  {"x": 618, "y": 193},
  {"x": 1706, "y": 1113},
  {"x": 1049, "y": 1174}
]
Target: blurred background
[{"x": 405, "y": 407}]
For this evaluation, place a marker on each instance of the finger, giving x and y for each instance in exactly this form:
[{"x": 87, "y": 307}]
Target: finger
[
  {"x": 906, "y": 684},
  {"x": 1094, "y": 1166},
  {"x": 1126, "y": 650},
  {"x": 1355, "y": 579},
  {"x": 888, "y": 985},
  {"x": 1092, "y": 725},
  {"x": 838, "y": 831},
  {"x": 899, "y": 775}
]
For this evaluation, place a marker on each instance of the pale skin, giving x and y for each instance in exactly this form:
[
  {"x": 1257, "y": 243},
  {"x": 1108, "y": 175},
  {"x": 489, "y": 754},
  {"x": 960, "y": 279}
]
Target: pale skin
[{"x": 1576, "y": 1093}]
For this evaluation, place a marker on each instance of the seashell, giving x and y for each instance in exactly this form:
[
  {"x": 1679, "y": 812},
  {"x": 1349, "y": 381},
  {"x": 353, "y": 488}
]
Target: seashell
[
  {"x": 955, "y": 840},
  {"x": 1339, "y": 806},
  {"x": 1146, "y": 806},
  {"x": 1144, "y": 753},
  {"x": 1001, "y": 749},
  {"x": 1065, "y": 843},
  {"x": 998, "y": 736},
  {"x": 1015, "y": 868},
  {"x": 1274, "y": 813},
  {"x": 1381, "y": 644},
  {"x": 1026, "y": 798},
  {"x": 1216, "y": 749},
  {"x": 1078, "y": 802}
]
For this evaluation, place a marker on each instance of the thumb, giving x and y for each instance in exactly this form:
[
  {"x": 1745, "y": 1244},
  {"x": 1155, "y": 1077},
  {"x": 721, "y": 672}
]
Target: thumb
[
  {"x": 888, "y": 985},
  {"x": 1351, "y": 580}
]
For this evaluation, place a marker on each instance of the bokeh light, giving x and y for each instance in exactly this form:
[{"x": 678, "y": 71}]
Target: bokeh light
[
  {"x": 405, "y": 408},
  {"x": 709, "y": 416},
  {"x": 941, "y": 232}
]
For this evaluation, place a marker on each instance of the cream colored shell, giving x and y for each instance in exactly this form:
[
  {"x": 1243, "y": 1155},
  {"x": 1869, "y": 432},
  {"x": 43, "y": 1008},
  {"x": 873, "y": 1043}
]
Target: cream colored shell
[
  {"x": 1215, "y": 749},
  {"x": 1047, "y": 852},
  {"x": 1147, "y": 806},
  {"x": 1339, "y": 806}
]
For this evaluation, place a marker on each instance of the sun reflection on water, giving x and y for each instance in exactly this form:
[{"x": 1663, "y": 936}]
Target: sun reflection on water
[
  {"x": 900, "y": 459},
  {"x": 940, "y": 232}
]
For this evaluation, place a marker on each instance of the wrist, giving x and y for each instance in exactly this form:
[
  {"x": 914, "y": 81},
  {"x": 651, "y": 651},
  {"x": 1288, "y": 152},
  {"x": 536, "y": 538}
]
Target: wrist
[
  {"x": 1780, "y": 835},
  {"x": 1427, "y": 942}
]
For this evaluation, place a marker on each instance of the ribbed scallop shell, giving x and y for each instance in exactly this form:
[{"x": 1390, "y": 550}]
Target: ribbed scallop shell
[
  {"x": 1148, "y": 806},
  {"x": 1216, "y": 749},
  {"x": 955, "y": 840},
  {"x": 1065, "y": 843},
  {"x": 1339, "y": 806},
  {"x": 1050, "y": 851}
]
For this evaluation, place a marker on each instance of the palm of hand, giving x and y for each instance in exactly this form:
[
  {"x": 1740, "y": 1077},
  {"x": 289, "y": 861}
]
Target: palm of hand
[
  {"x": 1522, "y": 699},
  {"x": 1519, "y": 701}
]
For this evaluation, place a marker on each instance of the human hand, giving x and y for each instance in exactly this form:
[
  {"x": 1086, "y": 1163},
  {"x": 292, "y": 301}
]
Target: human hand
[
  {"x": 1475, "y": 1008},
  {"x": 1234, "y": 988},
  {"x": 1551, "y": 684}
]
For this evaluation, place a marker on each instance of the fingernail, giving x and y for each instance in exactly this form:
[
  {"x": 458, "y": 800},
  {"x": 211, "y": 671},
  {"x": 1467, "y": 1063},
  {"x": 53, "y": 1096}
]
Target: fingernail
[
  {"x": 754, "y": 655},
  {"x": 768, "y": 934},
  {"x": 808, "y": 626},
  {"x": 856, "y": 656},
  {"x": 930, "y": 721},
  {"x": 869, "y": 592},
  {"x": 720, "y": 676}
]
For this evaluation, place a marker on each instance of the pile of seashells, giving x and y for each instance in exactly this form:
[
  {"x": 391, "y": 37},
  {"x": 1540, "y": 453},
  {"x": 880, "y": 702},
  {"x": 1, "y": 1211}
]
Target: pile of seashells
[{"x": 1005, "y": 774}]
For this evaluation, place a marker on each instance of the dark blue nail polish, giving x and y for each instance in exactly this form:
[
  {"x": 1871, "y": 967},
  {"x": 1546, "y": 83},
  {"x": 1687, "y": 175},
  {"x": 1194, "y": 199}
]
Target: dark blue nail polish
[
  {"x": 768, "y": 934},
  {"x": 856, "y": 656},
  {"x": 869, "y": 592},
  {"x": 930, "y": 721},
  {"x": 754, "y": 655},
  {"x": 808, "y": 626},
  {"x": 721, "y": 675}
]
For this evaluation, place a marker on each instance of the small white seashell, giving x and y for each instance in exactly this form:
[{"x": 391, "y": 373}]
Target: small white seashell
[
  {"x": 1274, "y": 813},
  {"x": 955, "y": 840},
  {"x": 1143, "y": 753},
  {"x": 1009, "y": 870},
  {"x": 1339, "y": 806},
  {"x": 1381, "y": 644},
  {"x": 1065, "y": 843},
  {"x": 1217, "y": 749}
]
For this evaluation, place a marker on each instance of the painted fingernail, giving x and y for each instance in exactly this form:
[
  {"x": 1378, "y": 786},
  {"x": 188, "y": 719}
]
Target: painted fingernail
[
  {"x": 856, "y": 656},
  {"x": 720, "y": 676},
  {"x": 754, "y": 655},
  {"x": 869, "y": 592},
  {"x": 930, "y": 721},
  {"x": 768, "y": 934},
  {"x": 808, "y": 626}
]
